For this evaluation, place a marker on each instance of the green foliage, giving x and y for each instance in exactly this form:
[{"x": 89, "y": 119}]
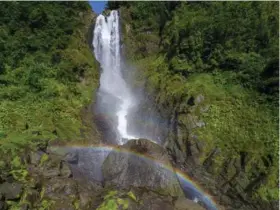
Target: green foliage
[
  {"x": 46, "y": 205},
  {"x": 110, "y": 194},
  {"x": 13, "y": 205},
  {"x": 2, "y": 164},
  {"x": 42, "y": 193},
  {"x": 123, "y": 203},
  {"x": 132, "y": 196},
  {"x": 108, "y": 205},
  {"x": 113, "y": 202},
  {"x": 47, "y": 75},
  {"x": 227, "y": 52},
  {"x": 231, "y": 36},
  {"x": 76, "y": 204},
  {"x": 146, "y": 21},
  {"x": 240, "y": 37},
  {"x": 43, "y": 159},
  {"x": 47, "y": 72},
  {"x": 237, "y": 123},
  {"x": 18, "y": 170}
]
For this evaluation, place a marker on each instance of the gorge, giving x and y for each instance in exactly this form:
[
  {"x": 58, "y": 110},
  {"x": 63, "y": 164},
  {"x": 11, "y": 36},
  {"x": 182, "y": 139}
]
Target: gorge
[
  {"x": 114, "y": 96},
  {"x": 147, "y": 106}
]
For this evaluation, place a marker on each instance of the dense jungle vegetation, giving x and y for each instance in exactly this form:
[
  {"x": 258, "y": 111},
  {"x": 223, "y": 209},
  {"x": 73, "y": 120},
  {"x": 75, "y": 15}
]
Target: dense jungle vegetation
[
  {"x": 227, "y": 51},
  {"x": 47, "y": 72}
]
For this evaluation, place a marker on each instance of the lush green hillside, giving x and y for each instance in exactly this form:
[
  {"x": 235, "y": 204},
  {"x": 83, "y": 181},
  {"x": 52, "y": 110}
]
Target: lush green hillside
[
  {"x": 47, "y": 71},
  {"x": 228, "y": 53},
  {"x": 47, "y": 78}
]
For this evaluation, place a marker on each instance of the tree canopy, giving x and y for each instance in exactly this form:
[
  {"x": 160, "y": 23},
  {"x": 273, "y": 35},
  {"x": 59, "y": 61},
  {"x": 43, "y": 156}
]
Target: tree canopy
[{"x": 47, "y": 71}]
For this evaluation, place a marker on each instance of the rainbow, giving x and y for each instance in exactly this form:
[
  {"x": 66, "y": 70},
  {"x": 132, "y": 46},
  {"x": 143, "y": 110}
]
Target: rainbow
[{"x": 181, "y": 175}]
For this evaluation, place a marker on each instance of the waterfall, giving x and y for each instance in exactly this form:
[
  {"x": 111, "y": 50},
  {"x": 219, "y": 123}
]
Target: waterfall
[
  {"x": 106, "y": 45},
  {"x": 115, "y": 100}
]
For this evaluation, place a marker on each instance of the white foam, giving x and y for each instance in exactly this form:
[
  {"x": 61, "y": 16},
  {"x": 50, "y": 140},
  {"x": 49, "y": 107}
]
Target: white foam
[{"x": 106, "y": 45}]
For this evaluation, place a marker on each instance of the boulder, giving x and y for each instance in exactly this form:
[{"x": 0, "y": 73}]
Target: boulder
[
  {"x": 106, "y": 125},
  {"x": 134, "y": 165},
  {"x": 89, "y": 164},
  {"x": 11, "y": 191},
  {"x": 59, "y": 149}
]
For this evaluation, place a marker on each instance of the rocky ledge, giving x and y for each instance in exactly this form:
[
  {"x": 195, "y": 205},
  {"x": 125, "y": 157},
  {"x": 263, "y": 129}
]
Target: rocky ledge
[{"x": 132, "y": 180}]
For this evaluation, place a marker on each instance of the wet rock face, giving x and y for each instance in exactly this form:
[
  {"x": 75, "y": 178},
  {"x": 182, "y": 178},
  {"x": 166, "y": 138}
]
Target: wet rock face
[
  {"x": 144, "y": 121},
  {"x": 84, "y": 162},
  {"x": 106, "y": 125},
  {"x": 89, "y": 164},
  {"x": 125, "y": 169}
]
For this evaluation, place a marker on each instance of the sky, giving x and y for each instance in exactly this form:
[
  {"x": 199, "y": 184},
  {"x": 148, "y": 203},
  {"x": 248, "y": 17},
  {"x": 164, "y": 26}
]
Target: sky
[{"x": 97, "y": 6}]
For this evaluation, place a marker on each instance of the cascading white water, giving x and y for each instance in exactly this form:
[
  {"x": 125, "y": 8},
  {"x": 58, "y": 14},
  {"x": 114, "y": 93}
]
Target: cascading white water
[{"x": 106, "y": 45}]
